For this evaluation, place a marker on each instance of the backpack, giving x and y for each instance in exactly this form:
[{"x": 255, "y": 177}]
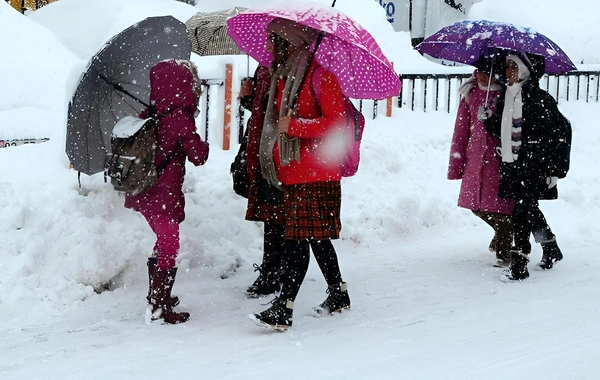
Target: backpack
[
  {"x": 238, "y": 170},
  {"x": 355, "y": 122},
  {"x": 130, "y": 165}
]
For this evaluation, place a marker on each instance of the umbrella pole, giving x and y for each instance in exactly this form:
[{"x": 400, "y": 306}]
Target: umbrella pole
[
  {"x": 312, "y": 57},
  {"x": 487, "y": 94},
  {"x": 120, "y": 88}
]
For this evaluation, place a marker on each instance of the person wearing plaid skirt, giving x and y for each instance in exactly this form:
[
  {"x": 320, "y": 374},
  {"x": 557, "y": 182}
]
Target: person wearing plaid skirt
[{"x": 297, "y": 156}]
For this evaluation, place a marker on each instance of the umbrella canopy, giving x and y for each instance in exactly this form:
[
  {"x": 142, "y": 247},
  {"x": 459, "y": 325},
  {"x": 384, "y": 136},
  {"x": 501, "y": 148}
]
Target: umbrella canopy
[
  {"x": 208, "y": 33},
  {"x": 466, "y": 41},
  {"x": 116, "y": 83},
  {"x": 347, "y": 49}
]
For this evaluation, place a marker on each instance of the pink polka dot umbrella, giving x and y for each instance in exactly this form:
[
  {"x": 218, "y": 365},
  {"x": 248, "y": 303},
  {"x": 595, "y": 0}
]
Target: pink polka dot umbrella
[{"x": 347, "y": 49}]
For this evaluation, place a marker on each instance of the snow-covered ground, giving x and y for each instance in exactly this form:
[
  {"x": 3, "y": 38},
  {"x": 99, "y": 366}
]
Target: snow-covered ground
[{"x": 426, "y": 302}]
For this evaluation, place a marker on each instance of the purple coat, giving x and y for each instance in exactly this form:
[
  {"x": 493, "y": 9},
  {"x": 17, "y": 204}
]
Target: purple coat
[
  {"x": 171, "y": 84},
  {"x": 473, "y": 157}
]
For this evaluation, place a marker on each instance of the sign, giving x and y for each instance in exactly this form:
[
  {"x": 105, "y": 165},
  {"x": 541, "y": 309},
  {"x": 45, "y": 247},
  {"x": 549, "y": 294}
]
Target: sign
[
  {"x": 422, "y": 18},
  {"x": 10, "y": 143},
  {"x": 396, "y": 14}
]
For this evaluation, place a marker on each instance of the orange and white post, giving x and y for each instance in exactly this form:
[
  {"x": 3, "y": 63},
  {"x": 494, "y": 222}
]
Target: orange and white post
[
  {"x": 228, "y": 105},
  {"x": 389, "y": 103}
]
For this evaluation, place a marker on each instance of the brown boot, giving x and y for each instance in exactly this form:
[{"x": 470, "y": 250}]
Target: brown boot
[
  {"x": 504, "y": 238},
  {"x": 160, "y": 296},
  {"x": 152, "y": 265}
]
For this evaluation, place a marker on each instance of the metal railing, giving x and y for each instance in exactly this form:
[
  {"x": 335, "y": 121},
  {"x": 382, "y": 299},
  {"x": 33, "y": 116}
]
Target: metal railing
[{"x": 440, "y": 91}]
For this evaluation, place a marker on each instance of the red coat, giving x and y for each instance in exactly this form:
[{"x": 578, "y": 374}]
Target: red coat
[
  {"x": 314, "y": 126},
  {"x": 171, "y": 88}
]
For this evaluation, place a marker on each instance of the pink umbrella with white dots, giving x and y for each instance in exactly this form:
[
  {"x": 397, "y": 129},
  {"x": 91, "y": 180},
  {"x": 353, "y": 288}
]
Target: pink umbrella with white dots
[{"x": 346, "y": 49}]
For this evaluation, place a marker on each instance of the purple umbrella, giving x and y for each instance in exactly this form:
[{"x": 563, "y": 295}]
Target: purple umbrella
[
  {"x": 347, "y": 49},
  {"x": 466, "y": 41}
]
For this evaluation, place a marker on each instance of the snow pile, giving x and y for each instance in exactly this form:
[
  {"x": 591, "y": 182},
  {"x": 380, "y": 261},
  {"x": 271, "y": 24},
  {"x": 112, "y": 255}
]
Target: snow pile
[
  {"x": 33, "y": 70},
  {"x": 60, "y": 242}
]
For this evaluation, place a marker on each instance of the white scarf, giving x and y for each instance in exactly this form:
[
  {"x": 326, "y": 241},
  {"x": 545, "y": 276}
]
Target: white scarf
[{"x": 513, "y": 110}]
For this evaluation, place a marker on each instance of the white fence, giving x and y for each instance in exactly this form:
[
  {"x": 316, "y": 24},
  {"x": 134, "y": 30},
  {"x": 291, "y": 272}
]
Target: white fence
[{"x": 439, "y": 92}]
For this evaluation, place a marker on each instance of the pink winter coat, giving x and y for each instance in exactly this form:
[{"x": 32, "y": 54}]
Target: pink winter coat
[
  {"x": 171, "y": 85},
  {"x": 473, "y": 156}
]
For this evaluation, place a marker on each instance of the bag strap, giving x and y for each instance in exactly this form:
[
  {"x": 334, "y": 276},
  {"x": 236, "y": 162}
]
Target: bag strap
[
  {"x": 317, "y": 83},
  {"x": 317, "y": 86},
  {"x": 163, "y": 165}
]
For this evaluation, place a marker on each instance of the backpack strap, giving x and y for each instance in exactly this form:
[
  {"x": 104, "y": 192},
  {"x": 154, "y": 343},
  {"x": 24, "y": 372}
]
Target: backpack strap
[
  {"x": 317, "y": 82},
  {"x": 160, "y": 168},
  {"x": 317, "y": 86}
]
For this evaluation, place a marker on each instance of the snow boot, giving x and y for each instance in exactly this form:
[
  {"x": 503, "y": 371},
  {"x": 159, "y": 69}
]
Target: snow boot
[
  {"x": 337, "y": 301},
  {"x": 277, "y": 317},
  {"x": 503, "y": 258},
  {"x": 268, "y": 282},
  {"x": 152, "y": 265},
  {"x": 160, "y": 297},
  {"x": 517, "y": 270},
  {"x": 551, "y": 254}
]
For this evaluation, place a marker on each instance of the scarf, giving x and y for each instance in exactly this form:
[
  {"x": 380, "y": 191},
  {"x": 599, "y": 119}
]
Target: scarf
[
  {"x": 293, "y": 71},
  {"x": 289, "y": 147},
  {"x": 512, "y": 123},
  {"x": 512, "y": 115}
]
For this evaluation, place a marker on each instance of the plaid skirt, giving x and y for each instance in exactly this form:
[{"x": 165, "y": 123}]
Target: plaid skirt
[
  {"x": 312, "y": 210},
  {"x": 258, "y": 211}
]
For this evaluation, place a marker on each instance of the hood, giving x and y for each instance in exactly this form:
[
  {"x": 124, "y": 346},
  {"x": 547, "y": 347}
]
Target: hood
[
  {"x": 172, "y": 87},
  {"x": 538, "y": 66}
]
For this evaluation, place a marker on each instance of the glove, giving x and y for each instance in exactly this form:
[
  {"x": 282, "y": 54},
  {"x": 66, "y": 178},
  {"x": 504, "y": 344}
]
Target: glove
[
  {"x": 484, "y": 113},
  {"x": 551, "y": 181}
]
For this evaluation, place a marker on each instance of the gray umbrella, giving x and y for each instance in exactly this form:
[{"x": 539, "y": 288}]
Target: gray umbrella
[
  {"x": 208, "y": 33},
  {"x": 116, "y": 83}
]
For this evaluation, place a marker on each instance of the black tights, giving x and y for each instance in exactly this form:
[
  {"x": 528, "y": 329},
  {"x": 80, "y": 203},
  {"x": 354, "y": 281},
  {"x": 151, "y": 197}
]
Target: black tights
[
  {"x": 297, "y": 257},
  {"x": 273, "y": 246}
]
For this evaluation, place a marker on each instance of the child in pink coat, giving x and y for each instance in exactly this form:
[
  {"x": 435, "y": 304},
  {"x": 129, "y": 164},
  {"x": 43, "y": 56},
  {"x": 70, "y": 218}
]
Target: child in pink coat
[
  {"x": 175, "y": 92},
  {"x": 474, "y": 158}
]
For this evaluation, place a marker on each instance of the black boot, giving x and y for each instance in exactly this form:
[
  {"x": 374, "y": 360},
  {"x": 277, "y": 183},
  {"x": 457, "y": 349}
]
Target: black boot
[
  {"x": 160, "y": 296},
  {"x": 152, "y": 265},
  {"x": 517, "y": 270},
  {"x": 277, "y": 317},
  {"x": 551, "y": 254},
  {"x": 337, "y": 301},
  {"x": 268, "y": 282}
]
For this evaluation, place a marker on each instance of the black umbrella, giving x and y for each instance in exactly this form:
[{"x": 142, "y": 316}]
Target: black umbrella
[{"x": 116, "y": 83}]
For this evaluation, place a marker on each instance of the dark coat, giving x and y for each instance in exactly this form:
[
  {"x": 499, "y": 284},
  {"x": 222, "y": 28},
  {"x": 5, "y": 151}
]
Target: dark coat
[
  {"x": 265, "y": 204},
  {"x": 545, "y": 143}
]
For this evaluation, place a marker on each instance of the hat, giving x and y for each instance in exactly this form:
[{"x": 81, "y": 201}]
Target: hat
[{"x": 297, "y": 35}]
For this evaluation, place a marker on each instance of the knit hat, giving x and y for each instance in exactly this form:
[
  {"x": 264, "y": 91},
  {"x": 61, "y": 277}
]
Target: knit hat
[
  {"x": 297, "y": 35},
  {"x": 523, "y": 65}
]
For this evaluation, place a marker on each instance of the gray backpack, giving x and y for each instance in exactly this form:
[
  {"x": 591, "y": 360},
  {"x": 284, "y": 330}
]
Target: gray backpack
[{"x": 130, "y": 165}]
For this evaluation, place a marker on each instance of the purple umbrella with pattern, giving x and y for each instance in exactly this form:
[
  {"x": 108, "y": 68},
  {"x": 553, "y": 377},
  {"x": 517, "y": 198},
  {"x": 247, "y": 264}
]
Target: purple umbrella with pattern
[
  {"x": 346, "y": 49},
  {"x": 466, "y": 41}
]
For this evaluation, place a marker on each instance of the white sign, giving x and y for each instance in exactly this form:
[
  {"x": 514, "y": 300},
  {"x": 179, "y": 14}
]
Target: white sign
[
  {"x": 9, "y": 143},
  {"x": 396, "y": 12},
  {"x": 428, "y": 16}
]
